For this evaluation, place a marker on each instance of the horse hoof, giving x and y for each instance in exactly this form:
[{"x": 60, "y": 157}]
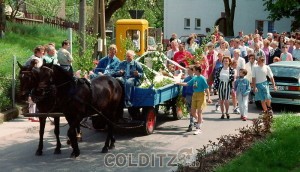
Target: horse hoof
[
  {"x": 74, "y": 155},
  {"x": 57, "y": 151},
  {"x": 104, "y": 150},
  {"x": 38, "y": 153},
  {"x": 111, "y": 147}
]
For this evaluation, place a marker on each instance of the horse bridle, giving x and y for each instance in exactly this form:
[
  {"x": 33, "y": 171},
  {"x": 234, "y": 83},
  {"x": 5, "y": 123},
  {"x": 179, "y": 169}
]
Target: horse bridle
[{"x": 41, "y": 90}]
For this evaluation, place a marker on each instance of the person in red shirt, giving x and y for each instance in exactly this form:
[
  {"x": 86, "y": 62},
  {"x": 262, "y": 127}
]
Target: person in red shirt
[{"x": 183, "y": 56}]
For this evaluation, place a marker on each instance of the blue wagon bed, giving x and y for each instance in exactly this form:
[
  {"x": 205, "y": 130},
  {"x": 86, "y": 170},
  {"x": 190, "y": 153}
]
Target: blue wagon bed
[{"x": 152, "y": 97}]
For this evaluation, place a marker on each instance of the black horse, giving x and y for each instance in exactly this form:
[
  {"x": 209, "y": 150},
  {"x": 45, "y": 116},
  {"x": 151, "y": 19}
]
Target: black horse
[
  {"x": 77, "y": 99},
  {"x": 29, "y": 77}
]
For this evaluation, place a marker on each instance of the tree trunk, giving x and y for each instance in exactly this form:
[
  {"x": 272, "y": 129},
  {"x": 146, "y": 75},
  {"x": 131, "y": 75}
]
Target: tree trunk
[
  {"x": 112, "y": 7},
  {"x": 229, "y": 16},
  {"x": 82, "y": 24},
  {"x": 2, "y": 18}
]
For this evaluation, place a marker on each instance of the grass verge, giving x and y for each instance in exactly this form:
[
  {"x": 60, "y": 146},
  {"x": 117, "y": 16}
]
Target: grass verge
[
  {"x": 280, "y": 151},
  {"x": 20, "y": 40}
]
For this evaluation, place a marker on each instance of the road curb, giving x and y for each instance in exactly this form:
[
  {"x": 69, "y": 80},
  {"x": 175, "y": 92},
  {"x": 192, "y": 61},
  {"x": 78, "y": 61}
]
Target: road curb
[{"x": 11, "y": 113}]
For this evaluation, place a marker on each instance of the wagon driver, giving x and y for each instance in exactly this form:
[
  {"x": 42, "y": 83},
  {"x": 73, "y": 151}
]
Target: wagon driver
[
  {"x": 108, "y": 64},
  {"x": 129, "y": 72}
]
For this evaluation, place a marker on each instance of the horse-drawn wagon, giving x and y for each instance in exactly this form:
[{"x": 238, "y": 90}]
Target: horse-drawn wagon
[{"x": 146, "y": 103}]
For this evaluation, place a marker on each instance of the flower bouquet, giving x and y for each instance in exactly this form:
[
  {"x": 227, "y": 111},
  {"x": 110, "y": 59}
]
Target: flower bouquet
[{"x": 156, "y": 73}]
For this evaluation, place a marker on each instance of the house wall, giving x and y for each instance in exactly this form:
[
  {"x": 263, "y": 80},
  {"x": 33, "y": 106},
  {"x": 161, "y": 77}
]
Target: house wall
[{"x": 209, "y": 11}]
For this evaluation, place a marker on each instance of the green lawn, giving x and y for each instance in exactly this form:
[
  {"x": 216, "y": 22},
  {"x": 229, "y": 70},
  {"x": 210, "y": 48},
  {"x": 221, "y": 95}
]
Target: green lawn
[
  {"x": 279, "y": 152},
  {"x": 20, "y": 40}
]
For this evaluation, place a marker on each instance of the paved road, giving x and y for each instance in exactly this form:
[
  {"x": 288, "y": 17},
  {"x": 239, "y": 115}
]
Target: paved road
[{"x": 19, "y": 140}]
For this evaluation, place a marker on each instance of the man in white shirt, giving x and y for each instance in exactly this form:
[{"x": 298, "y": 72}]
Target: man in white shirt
[
  {"x": 174, "y": 49},
  {"x": 64, "y": 57},
  {"x": 240, "y": 61},
  {"x": 261, "y": 85},
  {"x": 38, "y": 57}
]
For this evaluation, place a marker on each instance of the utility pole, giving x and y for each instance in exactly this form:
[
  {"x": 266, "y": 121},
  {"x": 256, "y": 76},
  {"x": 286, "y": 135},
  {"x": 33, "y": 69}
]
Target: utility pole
[
  {"x": 103, "y": 27},
  {"x": 96, "y": 29},
  {"x": 82, "y": 24},
  {"x": 96, "y": 17}
]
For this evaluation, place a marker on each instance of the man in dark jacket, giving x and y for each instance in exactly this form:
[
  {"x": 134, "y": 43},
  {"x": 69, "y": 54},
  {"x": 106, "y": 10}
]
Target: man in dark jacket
[
  {"x": 129, "y": 72},
  {"x": 275, "y": 52}
]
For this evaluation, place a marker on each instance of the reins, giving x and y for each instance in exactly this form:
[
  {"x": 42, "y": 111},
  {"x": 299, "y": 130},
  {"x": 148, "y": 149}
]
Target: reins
[{"x": 111, "y": 122}]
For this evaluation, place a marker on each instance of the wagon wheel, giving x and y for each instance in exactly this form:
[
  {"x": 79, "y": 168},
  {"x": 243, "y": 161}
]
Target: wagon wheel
[
  {"x": 150, "y": 119},
  {"x": 134, "y": 112},
  {"x": 177, "y": 112}
]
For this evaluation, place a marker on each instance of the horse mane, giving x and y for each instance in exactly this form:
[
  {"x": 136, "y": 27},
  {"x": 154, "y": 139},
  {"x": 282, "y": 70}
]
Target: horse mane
[{"x": 62, "y": 73}]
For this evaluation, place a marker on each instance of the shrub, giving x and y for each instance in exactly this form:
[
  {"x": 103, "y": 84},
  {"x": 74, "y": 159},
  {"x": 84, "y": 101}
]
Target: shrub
[{"x": 5, "y": 90}]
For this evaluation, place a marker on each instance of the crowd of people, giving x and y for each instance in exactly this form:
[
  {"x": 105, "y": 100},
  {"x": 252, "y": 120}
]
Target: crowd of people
[
  {"x": 48, "y": 54},
  {"x": 234, "y": 70}
]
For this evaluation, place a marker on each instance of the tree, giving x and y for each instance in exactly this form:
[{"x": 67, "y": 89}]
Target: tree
[
  {"x": 111, "y": 7},
  {"x": 46, "y": 8},
  {"x": 15, "y": 6},
  {"x": 229, "y": 12},
  {"x": 283, "y": 8},
  {"x": 153, "y": 11},
  {"x": 2, "y": 18}
]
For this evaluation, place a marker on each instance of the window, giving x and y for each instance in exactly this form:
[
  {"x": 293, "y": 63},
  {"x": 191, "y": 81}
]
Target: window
[
  {"x": 270, "y": 26},
  {"x": 197, "y": 23},
  {"x": 187, "y": 23},
  {"x": 134, "y": 36},
  {"x": 259, "y": 25}
]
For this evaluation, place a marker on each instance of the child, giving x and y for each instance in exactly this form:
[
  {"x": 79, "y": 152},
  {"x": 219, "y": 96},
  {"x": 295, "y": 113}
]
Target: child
[
  {"x": 242, "y": 88},
  {"x": 236, "y": 109},
  {"x": 32, "y": 109},
  {"x": 187, "y": 93},
  {"x": 198, "y": 99}
]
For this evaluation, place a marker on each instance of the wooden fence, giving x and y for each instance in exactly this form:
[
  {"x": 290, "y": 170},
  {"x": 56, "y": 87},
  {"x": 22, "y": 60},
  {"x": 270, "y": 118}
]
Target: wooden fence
[{"x": 30, "y": 18}]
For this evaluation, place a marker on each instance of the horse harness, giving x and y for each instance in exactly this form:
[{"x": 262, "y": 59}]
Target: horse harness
[{"x": 51, "y": 90}]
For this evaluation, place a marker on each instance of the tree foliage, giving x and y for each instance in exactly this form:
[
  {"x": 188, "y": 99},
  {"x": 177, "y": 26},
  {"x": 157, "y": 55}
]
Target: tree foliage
[
  {"x": 15, "y": 7},
  {"x": 153, "y": 11},
  {"x": 284, "y": 8},
  {"x": 46, "y": 8},
  {"x": 112, "y": 6},
  {"x": 114, "y": 9}
]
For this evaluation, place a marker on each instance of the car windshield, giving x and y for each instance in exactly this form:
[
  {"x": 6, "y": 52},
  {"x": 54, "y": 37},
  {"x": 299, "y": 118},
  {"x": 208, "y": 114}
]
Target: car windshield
[{"x": 280, "y": 71}]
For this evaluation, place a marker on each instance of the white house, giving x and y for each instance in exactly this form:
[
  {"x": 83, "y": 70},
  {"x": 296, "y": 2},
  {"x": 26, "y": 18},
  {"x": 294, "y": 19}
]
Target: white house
[{"x": 198, "y": 16}]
